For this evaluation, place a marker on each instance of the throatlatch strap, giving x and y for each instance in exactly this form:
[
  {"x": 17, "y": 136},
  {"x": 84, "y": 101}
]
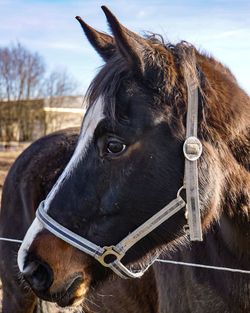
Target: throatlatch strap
[{"x": 192, "y": 151}]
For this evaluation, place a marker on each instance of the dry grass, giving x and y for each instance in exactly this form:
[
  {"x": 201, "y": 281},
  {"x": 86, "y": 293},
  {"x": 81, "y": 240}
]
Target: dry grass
[{"x": 7, "y": 157}]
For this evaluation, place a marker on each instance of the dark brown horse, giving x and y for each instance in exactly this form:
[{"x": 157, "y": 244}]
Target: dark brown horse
[
  {"x": 127, "y": 165},
  {"x": 32, "y": 182}
]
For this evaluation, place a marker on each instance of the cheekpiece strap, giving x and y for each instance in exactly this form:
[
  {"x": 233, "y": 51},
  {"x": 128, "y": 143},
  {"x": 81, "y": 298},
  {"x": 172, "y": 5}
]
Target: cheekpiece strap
[{"x": 192, "y": 149}]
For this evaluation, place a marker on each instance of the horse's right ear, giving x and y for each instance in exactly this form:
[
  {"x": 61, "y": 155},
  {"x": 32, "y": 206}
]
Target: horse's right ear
[{"x": 103, "y": 43}]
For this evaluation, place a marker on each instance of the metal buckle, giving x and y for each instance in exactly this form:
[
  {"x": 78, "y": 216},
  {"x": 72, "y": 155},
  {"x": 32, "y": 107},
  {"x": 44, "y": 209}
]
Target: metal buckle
[
  {"x": 109, "y": 251},
  {"x": 192, "y": 148}
]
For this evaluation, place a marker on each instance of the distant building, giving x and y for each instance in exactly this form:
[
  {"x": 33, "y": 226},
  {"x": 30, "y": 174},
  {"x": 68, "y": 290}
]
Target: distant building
[
  {"x": 63, "y": 112},
  {"x": 30, "y": 120}
]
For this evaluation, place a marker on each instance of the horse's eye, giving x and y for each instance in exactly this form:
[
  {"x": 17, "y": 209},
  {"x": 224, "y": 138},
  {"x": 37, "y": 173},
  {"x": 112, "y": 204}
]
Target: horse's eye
[{"x": 115, "y": 147}]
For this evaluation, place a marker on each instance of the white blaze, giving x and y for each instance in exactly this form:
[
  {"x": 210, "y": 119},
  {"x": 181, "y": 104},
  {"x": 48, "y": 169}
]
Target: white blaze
[{"x": 93, "y": 117}]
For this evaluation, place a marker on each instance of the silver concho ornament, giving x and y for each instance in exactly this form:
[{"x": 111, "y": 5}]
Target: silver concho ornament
[{"x": 192, "y": 148}]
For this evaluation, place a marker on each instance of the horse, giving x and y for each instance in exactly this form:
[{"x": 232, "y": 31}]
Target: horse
[
  {"x": 129, "y": 169},
  {"x": 27, "y": 182},
  {"x": 33, "y": 182}
]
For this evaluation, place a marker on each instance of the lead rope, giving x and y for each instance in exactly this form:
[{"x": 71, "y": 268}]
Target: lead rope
[{"x": 211, "y": 267}]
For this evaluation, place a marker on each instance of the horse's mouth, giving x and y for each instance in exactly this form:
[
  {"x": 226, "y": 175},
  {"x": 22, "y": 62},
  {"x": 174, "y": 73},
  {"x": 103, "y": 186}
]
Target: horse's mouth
[{"x": 73, "y": 293}]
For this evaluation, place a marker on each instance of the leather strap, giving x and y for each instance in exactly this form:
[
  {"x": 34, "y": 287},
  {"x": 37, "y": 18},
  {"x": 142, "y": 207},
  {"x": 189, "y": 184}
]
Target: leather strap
[{"x": 192, "y": 150}]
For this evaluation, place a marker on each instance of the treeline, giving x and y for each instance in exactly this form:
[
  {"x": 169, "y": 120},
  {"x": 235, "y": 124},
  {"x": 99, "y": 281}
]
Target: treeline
[
  {"x": 24, "y": 76},
  {"x": 24, "y": 82}
]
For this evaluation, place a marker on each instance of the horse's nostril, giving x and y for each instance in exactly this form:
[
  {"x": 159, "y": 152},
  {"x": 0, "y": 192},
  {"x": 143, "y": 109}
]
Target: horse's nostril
[{"x": 39, "y": 275}]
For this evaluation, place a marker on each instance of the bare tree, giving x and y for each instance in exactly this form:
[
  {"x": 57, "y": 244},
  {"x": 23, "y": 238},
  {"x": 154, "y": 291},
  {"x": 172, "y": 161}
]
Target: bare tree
[
  {"x": 59, "y": 83},
  {"x": 21, "y": 73},
  {"x": 23, "y": 77}
]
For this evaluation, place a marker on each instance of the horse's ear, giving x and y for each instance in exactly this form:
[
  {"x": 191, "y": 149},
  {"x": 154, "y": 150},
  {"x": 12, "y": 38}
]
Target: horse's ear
[
  {"x": 130, "y": 45},
  {"x": 103, "y": 43}
]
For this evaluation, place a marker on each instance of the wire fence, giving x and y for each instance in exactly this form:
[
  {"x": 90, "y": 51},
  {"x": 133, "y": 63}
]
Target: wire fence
[{"x": 211, "y": 267}]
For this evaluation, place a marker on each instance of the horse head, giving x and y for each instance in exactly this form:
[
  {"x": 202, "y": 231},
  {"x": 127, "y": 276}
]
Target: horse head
[{"x": 129, "y": 162}]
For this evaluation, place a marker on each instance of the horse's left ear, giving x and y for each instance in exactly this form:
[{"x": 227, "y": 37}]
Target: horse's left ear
[
  {"x": 130, "y": 45},
  {"x": 103, "y": 43}
]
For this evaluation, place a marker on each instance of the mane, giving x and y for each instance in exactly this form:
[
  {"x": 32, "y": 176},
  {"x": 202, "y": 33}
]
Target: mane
[
  {"x": 107, "y": 82},
  {"x": 225, "y": 119},
  {"x": 110, "y": 76}
]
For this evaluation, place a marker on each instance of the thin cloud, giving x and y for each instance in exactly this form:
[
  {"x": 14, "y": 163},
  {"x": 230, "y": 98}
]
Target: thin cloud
[{"x": 48, "y": 26}]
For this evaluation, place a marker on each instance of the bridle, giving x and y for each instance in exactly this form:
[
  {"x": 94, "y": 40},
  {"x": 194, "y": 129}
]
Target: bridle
[{"x": 110, "y": 256}]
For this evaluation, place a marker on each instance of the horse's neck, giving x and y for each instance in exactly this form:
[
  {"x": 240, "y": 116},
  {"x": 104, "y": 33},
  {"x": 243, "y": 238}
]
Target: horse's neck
[
  {"x": 235, "y": 234},
  {"x": 233, "y": 243},
  {"x": 235, "y": 219}
]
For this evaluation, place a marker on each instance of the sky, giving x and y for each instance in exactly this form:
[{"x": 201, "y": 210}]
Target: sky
[{"x": 219, "y": 27}]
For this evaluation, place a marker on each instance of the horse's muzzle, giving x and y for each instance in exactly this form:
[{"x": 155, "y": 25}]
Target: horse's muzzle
[{"x": 39, "y": 275}]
